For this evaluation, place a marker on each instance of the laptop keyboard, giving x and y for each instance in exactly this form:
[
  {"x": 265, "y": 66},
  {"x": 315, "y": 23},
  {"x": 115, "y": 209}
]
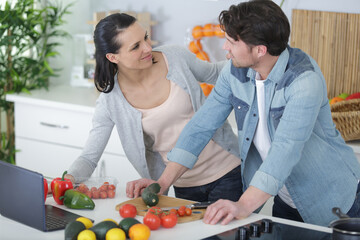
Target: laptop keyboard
[{"x": 54, "y": 222}]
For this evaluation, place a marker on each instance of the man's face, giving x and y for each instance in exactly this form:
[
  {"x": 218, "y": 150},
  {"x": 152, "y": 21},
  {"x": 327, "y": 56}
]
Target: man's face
[{"x": 240, "y": 53}]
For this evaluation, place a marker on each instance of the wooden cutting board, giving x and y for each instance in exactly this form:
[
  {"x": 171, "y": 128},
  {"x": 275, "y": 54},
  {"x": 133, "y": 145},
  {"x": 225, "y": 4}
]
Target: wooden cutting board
[{"x": 165, "y": 201}]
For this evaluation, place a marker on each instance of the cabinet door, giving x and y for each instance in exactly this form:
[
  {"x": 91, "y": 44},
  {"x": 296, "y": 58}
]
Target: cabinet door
[{"x": 49, "y": 159}]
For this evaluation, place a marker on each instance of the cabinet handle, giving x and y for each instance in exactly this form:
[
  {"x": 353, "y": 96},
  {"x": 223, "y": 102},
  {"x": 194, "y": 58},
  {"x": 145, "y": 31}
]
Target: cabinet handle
[{"x": 54, "y": 125}]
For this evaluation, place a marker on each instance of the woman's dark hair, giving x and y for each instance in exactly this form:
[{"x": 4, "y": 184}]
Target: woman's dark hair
[
  {"x": 257, "y": 22},
  {"x": 105, "y": 39}
]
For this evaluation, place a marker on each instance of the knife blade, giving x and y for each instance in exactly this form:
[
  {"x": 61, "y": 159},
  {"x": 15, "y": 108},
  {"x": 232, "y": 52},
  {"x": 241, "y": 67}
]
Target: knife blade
[{"x": 199, "y": 205}]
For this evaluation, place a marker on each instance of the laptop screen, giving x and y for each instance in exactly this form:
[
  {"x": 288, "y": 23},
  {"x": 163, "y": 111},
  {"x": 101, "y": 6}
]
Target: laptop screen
[{"x": 22, "y": 195}]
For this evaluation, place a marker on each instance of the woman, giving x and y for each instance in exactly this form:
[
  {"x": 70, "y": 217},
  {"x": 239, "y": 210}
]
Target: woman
[{"x": 150, "y": 95}]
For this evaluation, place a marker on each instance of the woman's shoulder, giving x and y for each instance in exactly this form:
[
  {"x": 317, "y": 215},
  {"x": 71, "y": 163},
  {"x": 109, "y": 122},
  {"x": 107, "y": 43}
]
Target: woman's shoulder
[{"x": 172, "y": 50}]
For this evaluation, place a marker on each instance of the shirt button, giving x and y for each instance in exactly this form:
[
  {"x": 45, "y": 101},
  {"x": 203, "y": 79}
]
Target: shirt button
[
  {"x": 247, "y": 139},
  {"x": 254, "y": 114},
  {"x": 239, "y": 107}
]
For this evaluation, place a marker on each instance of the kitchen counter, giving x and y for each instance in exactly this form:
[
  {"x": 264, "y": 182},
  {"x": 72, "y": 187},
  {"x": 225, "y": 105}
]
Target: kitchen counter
[{"x": 105, "y": 208}]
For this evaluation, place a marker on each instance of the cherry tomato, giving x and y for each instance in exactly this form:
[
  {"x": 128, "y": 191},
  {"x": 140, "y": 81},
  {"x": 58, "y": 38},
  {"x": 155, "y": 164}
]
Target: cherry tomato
[
  {"x": 111, "y": 187},
  {"x": 181, "y": 211},
  {"x": 103, "y": 194},
  {"x": 155, "y": 210},
  {"x": 88, "y": 193},
  {"x": 82, "y": 188},
  {"x": 95, "y": 194},
  {"x": 103, "y": 187},
  {"x": 173, "y": 211},
  {"x": 152, "y": 221},
  {"x": 127, "y": 211},
  {"x": 188, "y": 211},
  {"x": 111, "y": 193},
  {"x": 168, "y": 220}
]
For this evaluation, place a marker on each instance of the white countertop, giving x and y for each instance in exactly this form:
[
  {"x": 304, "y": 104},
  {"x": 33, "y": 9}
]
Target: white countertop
[
  {"x": 61, "y": 96},
  {"x": 105, "y": 208}
]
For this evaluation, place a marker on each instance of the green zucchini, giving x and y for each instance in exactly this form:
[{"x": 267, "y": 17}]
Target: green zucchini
[{"x": 149, "y": 195}]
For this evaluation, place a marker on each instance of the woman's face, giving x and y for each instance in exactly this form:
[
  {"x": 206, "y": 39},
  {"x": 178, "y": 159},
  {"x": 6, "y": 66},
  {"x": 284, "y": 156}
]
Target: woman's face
[{"x": 136, "y": 51}]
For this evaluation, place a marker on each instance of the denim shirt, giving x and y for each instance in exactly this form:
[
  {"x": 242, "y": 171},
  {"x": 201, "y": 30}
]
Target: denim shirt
[{"x": 307, "y": 153}]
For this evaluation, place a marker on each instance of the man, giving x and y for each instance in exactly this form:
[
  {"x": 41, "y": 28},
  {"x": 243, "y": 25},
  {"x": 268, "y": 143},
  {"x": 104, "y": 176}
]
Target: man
[{"x": 288, "y": 143}]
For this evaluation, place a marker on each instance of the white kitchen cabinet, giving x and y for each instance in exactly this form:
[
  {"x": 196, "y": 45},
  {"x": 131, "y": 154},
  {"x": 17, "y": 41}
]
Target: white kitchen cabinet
[{"x": 51, "y": 128}]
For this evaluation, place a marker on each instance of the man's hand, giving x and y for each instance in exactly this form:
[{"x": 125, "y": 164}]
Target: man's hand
[
  {"x": 135, "y": 188},
  {"x": 226, "y": 210}
]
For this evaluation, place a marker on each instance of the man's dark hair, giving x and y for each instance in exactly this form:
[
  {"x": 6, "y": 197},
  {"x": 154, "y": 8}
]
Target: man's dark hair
[{"x": 257, "y": 22}]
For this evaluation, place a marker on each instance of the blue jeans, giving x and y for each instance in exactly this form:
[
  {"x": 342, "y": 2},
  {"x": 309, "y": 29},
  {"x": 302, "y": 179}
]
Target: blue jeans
[
  {"x": 355, "y": 208},
  {"x": 282, "y": 210},
  {"x": 228, "y": 187}
]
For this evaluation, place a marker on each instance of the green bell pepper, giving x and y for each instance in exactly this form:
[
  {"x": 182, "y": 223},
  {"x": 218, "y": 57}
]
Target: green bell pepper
[{"x": 77, "y": 200}]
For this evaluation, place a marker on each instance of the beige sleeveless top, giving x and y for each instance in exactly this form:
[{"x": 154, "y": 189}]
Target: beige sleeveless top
[{"x": 164, "y": 124}]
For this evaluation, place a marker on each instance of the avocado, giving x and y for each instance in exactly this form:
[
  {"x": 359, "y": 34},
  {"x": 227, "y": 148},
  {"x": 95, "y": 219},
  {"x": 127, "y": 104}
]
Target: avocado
[
  {"x": 126, "y": 223},
  {"x": 73, "y": 229},
  {"x": 101, "y": 229},
  {"x": 150, "y": 196}
]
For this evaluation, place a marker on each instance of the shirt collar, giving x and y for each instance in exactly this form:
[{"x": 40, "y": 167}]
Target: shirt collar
[{"x": 278, "y": 69}]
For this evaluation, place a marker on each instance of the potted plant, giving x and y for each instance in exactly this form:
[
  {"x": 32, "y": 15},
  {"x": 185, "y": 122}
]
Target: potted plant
[{"x": 29, "y": 33}]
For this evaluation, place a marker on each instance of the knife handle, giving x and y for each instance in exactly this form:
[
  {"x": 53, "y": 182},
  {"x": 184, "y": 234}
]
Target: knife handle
[{"x": 201, "y": 205}]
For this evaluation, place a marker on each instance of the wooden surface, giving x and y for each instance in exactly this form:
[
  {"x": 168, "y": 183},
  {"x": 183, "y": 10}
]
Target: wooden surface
[
  {"x": 165, "y": 201},
  {"x": 333, "y": 40}
]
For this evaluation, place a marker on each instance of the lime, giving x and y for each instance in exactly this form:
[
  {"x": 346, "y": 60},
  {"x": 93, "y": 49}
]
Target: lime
[
  {"x": 111, "y": 220},
  {"x": 126, "y": 223}
]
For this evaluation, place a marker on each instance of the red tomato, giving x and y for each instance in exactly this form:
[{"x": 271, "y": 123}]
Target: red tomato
[
  {"x": 168, "y": 220},
  {"x": 111, "y": 187},
  {"x": 152, "y": 221},
  {"x": 88, "y": 193},
  {"x": 95, "y": 194},
  {"x": 188, "y": 211},
  {"x": 127, "y": 211},
  {"x": 173, "y": 211},
  {"x": 155, "y": 210},
  {"x": 181, "y": 211},
  {"x": 46, "y": 188},
  {"x": 103, "y": 194},
  {"x": 82, "y": 188},
  {"x": 111, "y": 193},
  {"x": 93, "y": 189},
  {"x": 103, "y": 187}
]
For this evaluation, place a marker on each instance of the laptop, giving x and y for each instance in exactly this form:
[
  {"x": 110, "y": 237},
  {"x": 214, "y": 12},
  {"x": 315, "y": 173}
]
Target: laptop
[{"x": 22, "y": 200}]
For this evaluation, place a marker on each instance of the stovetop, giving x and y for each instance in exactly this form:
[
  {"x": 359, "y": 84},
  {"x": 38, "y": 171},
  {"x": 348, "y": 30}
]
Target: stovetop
[{"x": 267, "y": 229}]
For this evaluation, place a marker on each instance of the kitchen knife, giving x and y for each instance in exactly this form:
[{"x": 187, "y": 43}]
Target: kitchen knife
[{"x": 199, "y": 205}]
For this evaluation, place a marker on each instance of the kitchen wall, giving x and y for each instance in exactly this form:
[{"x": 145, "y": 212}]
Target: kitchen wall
[{"x": 174, "y": 18}]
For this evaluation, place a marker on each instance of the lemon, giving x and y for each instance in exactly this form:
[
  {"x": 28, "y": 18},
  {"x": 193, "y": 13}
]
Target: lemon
[
  {"x": 87, "y": 222},
  {"x": 115, "y": 234},
  {"x": 86, "y": 235}
]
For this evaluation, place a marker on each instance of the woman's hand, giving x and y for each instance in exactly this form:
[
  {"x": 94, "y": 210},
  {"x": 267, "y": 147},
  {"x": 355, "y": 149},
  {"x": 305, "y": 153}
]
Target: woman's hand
[
  {"x": 70, "y": 177},
  {"x": 135, "y": 188}
]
